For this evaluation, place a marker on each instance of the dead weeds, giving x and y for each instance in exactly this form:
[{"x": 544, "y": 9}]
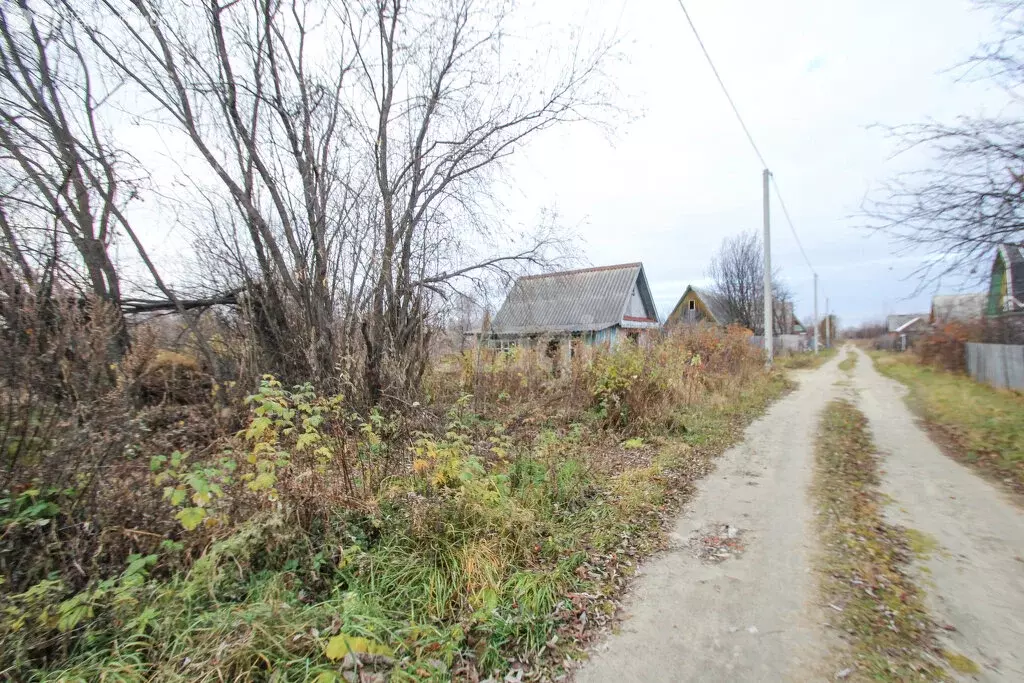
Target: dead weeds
[{"x": 876, "y": 607}]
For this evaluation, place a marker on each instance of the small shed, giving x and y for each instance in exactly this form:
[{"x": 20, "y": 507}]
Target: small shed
[
  {"x": 904, "y": 327},
  {"x": 595, "y": 305}
]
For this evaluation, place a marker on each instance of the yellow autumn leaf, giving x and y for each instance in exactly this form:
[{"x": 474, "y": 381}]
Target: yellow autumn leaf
[
  {"x": 191, "y": 517},
  {"x": 339, "y": 646},
  {"x": 419, "y": 465}
]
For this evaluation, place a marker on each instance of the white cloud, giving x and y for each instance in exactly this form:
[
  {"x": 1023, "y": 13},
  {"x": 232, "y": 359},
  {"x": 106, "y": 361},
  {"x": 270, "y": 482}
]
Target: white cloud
[{"x": 810, "y": 78}]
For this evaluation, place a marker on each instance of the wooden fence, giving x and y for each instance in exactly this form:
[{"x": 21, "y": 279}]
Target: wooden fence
[{"x": 1001, "y": 365}]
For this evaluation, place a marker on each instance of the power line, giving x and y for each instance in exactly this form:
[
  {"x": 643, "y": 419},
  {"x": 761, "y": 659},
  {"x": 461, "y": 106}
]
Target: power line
[
  {"x": 785, "y": 212},
  {"x": 750, "y": 138},
  {"x": 725, "y": 90}
]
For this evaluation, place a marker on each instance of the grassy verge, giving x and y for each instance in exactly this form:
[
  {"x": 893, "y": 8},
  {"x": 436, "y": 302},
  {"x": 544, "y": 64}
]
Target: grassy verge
[
  {"x": 871, "y": 599},
  {"x": 975, "y": 423},
  {"x": 848, "y": 363},
  {"x": 806, "y": 361},
  {"x": 499, "y": 549}
]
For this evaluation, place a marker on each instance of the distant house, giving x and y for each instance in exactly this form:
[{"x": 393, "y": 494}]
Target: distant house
[
  {"x": 699, "y": 305},
  {"x": 703, "y": 305},
  {"x": 903, "y": 327},
  {"x": 961, "y": 308},
  {"x": 1006, "y": 286},
  {"x": 594, "y": 305},
  {"x": 786, "y": 321},
  {"x": 903, "y": 322}
]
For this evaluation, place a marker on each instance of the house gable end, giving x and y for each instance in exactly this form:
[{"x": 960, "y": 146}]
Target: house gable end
[
  {"x": 997, "y": 284},
  {"x": 641, "y": 306},
  {"x": 701, "y": 302},
  {"x": 1006, "y": 286}
]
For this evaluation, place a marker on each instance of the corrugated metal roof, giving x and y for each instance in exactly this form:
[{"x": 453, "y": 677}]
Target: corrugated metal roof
[
  {"x": 584, "y": 300},
  {"x": 910, "y": 323},
  {"x": 897, "y": 320},
  {"x": 959, "y": 307},
  {"x": 714, "y": 303}
]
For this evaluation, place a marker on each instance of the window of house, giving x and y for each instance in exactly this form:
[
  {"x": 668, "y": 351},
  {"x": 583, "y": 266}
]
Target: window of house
[{"x": 693, "y": 305}]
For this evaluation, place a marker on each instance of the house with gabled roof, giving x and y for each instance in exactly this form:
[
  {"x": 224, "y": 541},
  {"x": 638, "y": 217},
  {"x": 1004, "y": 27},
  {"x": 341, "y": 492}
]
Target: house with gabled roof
[
  {"x": 960, "y": 308},
  {"x": 902, "y": 323},
  {"x": 594, "y": 305},
  {"x": 698, "y": 304},
  {"x": 1006, "y": 286}
]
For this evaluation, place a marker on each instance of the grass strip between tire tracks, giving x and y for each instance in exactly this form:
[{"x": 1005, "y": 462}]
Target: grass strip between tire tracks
[
  {"x": 848, "y": 363},
  {"x": 868, "y": 593}
]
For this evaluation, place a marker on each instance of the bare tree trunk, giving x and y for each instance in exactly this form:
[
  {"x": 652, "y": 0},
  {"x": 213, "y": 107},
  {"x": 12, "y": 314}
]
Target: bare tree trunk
[
  {"x": 361, "y": 178},
  {"x": 62, "y": 169}
]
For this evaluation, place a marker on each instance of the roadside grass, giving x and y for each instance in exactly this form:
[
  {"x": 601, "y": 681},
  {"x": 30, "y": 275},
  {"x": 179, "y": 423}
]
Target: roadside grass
[
  {"x": 712, "y": 427},
  {"x": 974, "y": 422},
  {"x": 496, "y": 552},
  {"x": 864, "y": 569},
  {"x": 848, "y": 363},
  {"x": 807, "y": 360}
]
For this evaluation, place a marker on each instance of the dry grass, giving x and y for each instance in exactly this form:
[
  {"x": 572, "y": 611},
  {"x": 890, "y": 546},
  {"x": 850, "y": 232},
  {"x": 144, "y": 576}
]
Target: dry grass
[
  {"x": 848, "y": 363},
  {"x": 460, "y": 535},
  {"x": 806, "y": 361},
  {"x": 875, "y": 604},
  {"x": 976, "y": 423}
]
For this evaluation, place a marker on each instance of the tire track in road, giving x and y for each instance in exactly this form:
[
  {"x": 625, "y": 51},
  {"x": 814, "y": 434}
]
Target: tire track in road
[
  {"x": 746, "y": 617},
  {"x": 974, "y": 580}
]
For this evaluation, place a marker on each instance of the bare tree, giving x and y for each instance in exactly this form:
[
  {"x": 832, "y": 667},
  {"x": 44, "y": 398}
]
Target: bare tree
[
  {"x": 737, "y": 274},
  {"x": 357, "y": 177},
  {"x": 445, "y": 113},
  {"x": 64, "y": 185},
  {"x": 972, "y": 198},
  {"x": 237, "y": 79},
  {"x": 63, "y": 190}
]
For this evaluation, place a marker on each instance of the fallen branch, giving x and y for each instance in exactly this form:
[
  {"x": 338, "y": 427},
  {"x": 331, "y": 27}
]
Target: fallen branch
[{"x": 135, "y": 306}]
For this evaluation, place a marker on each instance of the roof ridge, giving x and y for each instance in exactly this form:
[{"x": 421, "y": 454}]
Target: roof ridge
[{"x": 583, "y": 270}]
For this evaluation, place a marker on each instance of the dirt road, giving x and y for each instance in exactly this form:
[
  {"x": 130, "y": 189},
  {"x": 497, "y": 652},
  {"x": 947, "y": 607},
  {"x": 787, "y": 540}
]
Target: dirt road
[
  {"x": 735, "y": 599},
  {"x": 974, "y": 579},
  {"x": 749, "y": 617}
]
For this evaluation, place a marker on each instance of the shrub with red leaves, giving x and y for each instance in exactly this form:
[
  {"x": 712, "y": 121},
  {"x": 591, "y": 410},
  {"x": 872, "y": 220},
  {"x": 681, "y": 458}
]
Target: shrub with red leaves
[{"x": 945, "y": 348}]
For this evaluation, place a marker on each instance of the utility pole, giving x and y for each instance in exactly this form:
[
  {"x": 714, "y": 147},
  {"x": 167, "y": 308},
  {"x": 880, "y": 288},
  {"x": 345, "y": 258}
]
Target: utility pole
[
  {"x": 815, "y": 312},
  {"x": 768, "y": 327},
  {"x": 828, "y": 326}
]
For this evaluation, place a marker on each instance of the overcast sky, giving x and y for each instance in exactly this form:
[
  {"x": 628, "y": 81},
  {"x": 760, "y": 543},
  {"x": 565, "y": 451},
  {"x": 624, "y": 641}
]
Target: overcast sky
[{"x": 810, "y": 78}]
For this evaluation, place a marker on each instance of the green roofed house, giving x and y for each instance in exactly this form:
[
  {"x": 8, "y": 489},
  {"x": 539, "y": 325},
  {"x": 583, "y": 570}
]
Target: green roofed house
[{"x": 1006, "y": 290}]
